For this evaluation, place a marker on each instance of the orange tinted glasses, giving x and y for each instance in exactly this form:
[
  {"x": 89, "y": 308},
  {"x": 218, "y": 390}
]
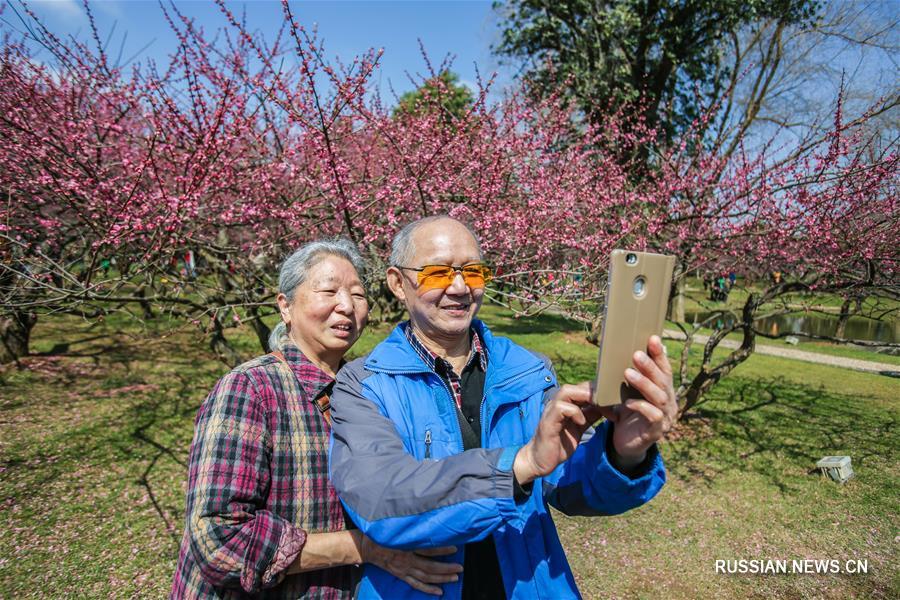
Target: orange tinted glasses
[{"x": 433, "y": 277}]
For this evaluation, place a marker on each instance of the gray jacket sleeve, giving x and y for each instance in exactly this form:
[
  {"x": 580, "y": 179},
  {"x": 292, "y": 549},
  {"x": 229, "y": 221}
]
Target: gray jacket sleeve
[{"x": 399, "y": 501}]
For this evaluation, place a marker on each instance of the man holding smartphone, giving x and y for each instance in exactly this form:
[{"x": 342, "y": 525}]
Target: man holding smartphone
[{"x": 447, "y": 435}]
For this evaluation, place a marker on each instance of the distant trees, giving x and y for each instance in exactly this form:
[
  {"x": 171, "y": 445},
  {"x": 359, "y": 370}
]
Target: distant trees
[
  {"x": 443, "y": 93},
  {"x": 666, "y": 58}
]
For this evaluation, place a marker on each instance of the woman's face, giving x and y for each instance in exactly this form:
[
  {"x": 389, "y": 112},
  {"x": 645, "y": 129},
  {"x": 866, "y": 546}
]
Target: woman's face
[{"x": 329, "y": 309}]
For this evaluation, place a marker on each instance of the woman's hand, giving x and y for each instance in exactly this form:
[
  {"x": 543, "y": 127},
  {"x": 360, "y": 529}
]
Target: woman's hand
[{"x": 415, "y": 567}]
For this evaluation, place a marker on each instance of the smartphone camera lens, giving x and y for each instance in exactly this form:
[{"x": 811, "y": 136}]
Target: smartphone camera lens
[
  {"x": 640, "y": 286},
  {"x": 631, "y": 258}
]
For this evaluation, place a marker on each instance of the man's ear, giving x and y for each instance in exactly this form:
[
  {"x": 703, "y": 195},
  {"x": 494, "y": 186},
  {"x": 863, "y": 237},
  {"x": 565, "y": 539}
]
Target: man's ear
[
  {"x": 284, "y": 307},
  {"x": 395, "y": 283}
]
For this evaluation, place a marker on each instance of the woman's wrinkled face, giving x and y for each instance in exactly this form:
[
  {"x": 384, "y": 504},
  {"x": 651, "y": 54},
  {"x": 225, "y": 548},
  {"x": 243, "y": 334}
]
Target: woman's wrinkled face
[{"x": 329, "y": 309}]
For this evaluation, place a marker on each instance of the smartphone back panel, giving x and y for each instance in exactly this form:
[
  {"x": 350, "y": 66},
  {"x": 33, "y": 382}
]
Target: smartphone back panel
[{"x": 636, "y": 301}]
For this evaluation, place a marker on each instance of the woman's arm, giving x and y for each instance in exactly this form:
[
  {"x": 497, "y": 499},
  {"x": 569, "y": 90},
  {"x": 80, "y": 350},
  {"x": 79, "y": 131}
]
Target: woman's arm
[
  {"x": 234, "y": 540},
  {"x": 325, "y": 550}
]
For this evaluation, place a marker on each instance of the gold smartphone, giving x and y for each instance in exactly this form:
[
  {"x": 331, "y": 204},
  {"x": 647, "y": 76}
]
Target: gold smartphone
[{"x": 636, "y": 299}]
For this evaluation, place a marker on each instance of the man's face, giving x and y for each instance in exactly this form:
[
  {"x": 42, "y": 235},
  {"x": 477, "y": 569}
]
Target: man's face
[{"x": 440, "y": 314}]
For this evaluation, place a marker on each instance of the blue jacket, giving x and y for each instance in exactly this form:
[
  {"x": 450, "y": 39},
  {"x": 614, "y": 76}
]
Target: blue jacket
[{"x": 398, "y": 463}]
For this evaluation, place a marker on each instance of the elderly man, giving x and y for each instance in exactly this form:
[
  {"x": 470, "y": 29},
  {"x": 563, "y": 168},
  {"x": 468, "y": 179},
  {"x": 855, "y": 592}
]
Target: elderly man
[{"x": 448, "y": 435}]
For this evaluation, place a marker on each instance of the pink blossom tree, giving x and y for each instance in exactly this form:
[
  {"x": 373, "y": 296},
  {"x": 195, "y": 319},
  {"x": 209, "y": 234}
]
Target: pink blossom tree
[{"x": 241, "y": 150}]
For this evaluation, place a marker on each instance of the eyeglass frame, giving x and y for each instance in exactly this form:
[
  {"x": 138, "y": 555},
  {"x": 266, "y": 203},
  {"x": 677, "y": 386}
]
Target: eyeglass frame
[{"x": 455, "y": 271}]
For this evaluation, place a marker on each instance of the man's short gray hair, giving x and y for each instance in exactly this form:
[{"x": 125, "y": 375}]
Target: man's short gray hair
[
  {"x": 402, "y": 248},
  {"x": 295, "y": 269}
]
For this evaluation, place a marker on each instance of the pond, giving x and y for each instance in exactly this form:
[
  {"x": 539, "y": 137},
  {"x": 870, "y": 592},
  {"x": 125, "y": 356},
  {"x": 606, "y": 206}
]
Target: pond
[{"x": 858, "y": 328}]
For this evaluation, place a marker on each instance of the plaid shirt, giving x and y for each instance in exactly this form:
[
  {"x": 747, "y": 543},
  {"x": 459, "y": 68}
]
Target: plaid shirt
[
  {"x": 258, "y": 483},
  {"x": 442, "y": 367}
]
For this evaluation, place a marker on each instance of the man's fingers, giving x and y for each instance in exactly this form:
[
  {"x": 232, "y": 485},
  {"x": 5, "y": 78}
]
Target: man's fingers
[
  {"x": 650, "y": 412},
  {"x": 657, "y": 352},
  {"x": 650, "y": 369},
  {"x": 571, "y": 412},
  {"x": 659, "y": 372},
  {"x": 442, "y": 551},
  {"x": 576, "y": 394},
  {"x": 647, "y": 387}
]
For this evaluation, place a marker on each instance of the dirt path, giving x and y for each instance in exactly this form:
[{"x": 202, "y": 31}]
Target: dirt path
[{"x": 813, "y": 357}]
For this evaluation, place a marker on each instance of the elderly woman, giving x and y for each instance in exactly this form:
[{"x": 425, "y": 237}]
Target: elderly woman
[{"x": 262, "y": 519}]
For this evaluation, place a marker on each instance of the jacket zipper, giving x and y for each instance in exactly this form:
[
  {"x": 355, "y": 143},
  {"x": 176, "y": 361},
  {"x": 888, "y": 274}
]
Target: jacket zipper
[
  {"x": 427, "y": 444},
  {"x": 484, "y": 426},
  {"x": 444, "y": 386},
  {"x": 484, "y": 423}
]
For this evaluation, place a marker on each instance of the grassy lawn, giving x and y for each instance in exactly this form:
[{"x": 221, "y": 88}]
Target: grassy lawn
[
  {"x": 93, "y": 448},
  {"x": 696, "y": 299},
  {"x": 806, "y": 345}
]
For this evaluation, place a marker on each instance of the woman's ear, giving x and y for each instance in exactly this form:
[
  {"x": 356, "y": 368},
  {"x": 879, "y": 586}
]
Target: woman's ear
[
  {"x": 284, "y": 307},
  {"x": 395, "y": 283}
]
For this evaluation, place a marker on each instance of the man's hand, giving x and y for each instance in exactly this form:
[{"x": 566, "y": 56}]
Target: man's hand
[
  {"x": 564, "y": 420},
  {"x": 415, "y": 568},
  {"x": 641, "y": 423}
]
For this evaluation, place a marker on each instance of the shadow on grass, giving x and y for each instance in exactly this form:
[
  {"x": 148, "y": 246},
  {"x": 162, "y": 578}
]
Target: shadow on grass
[
  {"x": 778, "y": 429},
  {"x": 155, "y": 433},
  {"x": 127, "y": 404}
]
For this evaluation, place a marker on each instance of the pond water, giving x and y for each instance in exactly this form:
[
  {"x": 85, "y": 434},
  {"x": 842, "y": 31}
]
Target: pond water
[{"x": 858, "y": 328}]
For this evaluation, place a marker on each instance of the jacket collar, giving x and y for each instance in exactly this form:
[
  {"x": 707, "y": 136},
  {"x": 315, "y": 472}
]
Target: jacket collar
[
  {"x": 312, "y": 380},
  {"x": 506, "y": 359}
]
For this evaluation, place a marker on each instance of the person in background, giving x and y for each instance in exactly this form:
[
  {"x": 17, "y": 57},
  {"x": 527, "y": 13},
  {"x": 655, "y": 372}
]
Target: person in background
[{"x": 262, "y": 518}]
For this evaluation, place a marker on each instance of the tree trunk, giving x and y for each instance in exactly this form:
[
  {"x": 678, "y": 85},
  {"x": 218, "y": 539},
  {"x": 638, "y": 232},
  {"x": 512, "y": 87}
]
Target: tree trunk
[
  {"x": 689, "y": 393},
  {"x": 145, "y": 306},
  {"x": 15, "y": 333},
  {"x": 596, "y": 331},
  {"x": 261, "y": 329},
  {"x": 845, "y": 315},
  {"x": 676, "y": 304},
  {"x": 386, "y": 307},
  {"x": 219, "y": 344}
]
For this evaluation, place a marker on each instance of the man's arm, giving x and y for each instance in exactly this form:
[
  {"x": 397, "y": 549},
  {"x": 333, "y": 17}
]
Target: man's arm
[
  {"x": 593, "y": 481},
  {"x": 589, "y": 484},
  {"x": 400, "y": 502}
]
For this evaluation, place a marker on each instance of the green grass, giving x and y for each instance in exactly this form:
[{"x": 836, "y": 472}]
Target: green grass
[
  {"x": 697, "y": 300},
  {"x": 697, "y": 297},
  {"x": 93, "y": 448},
  {"x": 815, "y": 346}
]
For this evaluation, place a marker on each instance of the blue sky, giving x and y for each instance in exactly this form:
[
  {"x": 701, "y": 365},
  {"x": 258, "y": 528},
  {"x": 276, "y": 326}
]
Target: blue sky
[{"x": 465, "y": 29}]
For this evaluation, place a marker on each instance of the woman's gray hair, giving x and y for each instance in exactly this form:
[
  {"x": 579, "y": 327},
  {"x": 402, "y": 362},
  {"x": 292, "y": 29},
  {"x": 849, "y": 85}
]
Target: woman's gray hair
[
  {"x": 402, "y": 248},
  {"x": 295, "y": 269}
]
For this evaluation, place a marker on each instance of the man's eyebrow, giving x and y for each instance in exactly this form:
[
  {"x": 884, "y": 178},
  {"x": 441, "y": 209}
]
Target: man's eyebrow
[{"x": 449, "y": 262}]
